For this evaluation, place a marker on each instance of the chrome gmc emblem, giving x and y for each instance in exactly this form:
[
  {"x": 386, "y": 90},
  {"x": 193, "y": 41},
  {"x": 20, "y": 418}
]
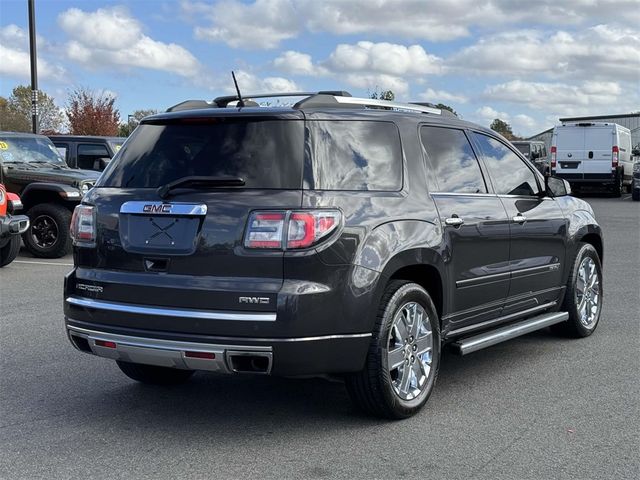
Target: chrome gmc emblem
[
  {"x": 157, "y": 208},
  {"x": 254, "y": 300}
]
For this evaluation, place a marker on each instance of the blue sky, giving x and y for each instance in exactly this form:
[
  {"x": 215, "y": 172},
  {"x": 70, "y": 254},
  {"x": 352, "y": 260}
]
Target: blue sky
[{"x": 525, "y": 62}]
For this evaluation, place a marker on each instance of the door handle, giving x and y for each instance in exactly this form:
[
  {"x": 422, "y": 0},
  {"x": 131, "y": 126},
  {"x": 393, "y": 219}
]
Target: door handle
[
  {"x": 519, "y": 218},
  {"x": 454, "y": 221}
]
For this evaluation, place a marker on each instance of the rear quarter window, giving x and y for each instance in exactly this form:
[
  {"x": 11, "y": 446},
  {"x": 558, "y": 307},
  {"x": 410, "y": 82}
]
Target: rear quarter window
[{"x": 354, "y": 155}]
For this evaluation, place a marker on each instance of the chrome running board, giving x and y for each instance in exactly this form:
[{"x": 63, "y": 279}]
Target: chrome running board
[{"x": 493, "y": 337}]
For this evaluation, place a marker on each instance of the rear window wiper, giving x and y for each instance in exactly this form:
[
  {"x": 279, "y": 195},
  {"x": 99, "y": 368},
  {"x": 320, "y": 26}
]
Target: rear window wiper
[{"x": 199, "y": 182}]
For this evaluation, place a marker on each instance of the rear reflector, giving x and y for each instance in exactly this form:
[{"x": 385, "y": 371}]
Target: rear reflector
[
  {"x": 204, "y": 355},
  {"x": 104, "y": 343}
]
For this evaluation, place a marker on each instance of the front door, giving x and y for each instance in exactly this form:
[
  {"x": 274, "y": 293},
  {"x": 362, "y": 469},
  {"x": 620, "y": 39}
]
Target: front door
[{"x": 537, "y": 224}]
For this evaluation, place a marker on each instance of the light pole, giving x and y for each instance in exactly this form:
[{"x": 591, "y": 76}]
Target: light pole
[{"x": 34, "y": 67}]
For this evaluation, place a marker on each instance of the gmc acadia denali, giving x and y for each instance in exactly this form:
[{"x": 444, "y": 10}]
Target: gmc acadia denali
[{"x": 340, "y": 235}]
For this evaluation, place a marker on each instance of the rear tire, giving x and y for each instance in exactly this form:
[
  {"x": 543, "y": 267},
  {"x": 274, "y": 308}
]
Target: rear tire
[
  {"x": 404, "y": 355},
  {"x": 617, "y": 186},
  {"x": 152, "y": 375},
  {"x": 10, "y": 251},
  {"x": 48, "y": 235},
  {"x": 635, "y": 194},
  {"x": 584, "y": 294}
]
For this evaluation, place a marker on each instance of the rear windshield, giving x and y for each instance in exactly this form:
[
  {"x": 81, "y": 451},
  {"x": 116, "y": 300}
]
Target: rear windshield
[
  {"x": 524, "y": 148},
  {"x": 355, "y": 155},
  {"x": 266, "y": 154}
]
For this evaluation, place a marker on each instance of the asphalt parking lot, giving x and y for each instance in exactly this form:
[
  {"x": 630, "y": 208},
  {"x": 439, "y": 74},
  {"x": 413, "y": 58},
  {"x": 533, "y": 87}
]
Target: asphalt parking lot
[{"x": 536, "y": 407}]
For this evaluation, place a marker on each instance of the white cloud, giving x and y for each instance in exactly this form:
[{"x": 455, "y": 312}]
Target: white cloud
[
  {"x": 442, "y": 96},
  {"x": 15, "y": 59},
  {"x": 251, "y": 83},
  {"x": 111, "y": 37},
  {"x": 297, "y": 63},
  {"x": 601, "y": 52},
  {"x": 384, "y": 58},
  {"x": 259, "y": 25},
  {"x": 489, "y": 114},
  {"x": 264, "y": 24},
  {"x": 552, "y": 96}
]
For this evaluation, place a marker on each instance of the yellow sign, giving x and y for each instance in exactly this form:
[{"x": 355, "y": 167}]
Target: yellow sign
[{"x": 4, "y": 146}]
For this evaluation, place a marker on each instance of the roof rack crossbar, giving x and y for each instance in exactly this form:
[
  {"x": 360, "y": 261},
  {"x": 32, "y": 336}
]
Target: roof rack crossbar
[{"x": 369, "y": 102}]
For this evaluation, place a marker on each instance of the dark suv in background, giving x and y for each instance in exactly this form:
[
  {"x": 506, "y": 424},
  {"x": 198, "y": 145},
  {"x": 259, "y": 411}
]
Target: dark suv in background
[
  {"x": 341, "y": 235},
  {"x": 89, "y": 153},
  {"x": 49, "y": 190}
]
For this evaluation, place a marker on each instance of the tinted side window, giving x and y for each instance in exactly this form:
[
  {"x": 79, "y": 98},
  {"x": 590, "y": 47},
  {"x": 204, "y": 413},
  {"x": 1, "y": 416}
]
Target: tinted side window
[
  {"x": 354, "y": 155},
  {"x": 89, "y": 153},
  {"x": 509, "y": 174},
  {"x": 453, "y": 161}
]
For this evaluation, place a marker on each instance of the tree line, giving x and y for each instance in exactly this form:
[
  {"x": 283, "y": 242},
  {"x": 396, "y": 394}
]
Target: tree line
[{"x": 86, "y": 112}]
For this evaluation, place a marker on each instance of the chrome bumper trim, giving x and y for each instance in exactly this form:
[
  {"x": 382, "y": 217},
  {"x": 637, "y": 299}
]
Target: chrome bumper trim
[
  {"x": 169, "y": 311},
  {"x": 165, "y": 353}
]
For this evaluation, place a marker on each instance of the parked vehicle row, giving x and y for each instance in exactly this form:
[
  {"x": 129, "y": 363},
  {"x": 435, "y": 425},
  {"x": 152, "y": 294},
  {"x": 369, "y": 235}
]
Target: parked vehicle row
[
  {"x": 32, "y": 168},
  {"x": 341, "y": 236}
]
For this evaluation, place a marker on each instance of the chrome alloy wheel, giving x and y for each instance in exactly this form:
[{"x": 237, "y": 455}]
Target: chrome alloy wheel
[
  {"x": 588, "y": 292},
  {"x": 410, "y": 351}
]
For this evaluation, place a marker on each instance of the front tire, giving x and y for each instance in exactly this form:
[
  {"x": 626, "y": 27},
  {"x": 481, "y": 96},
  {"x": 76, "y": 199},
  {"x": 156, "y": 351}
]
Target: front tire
[
  {"x": 152, "y": 375},
  {"x": 404, "y": 356},
  {"x": 9, "y": 252},
  {"x": 583, "y": 297},
  {"x": 48, "y": 235}
]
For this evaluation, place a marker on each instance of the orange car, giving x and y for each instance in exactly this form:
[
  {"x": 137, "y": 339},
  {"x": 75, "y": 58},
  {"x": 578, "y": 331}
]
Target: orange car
[{"x": 11, "y": 226}]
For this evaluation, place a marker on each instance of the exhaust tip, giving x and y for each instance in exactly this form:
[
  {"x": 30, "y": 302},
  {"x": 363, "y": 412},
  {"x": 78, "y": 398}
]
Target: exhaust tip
[{"x": 250, "y": 362}]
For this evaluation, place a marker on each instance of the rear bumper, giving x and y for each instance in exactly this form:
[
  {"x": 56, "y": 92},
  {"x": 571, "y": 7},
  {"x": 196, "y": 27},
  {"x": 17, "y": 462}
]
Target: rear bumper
[
  {"x": 579, "y": 178},
  {"x": 13, "y": 225},
  {"x": 295, "y": 356}
]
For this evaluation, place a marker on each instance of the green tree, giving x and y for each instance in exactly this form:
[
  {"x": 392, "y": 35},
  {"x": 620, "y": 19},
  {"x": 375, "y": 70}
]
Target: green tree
[
  {"x": 125, "y": 129},
  {"x": 503, "y": 128},
  {"x": 18, "y": 111},
  {"x": 442, "y": 106},
  {"x": 382, "y": 95},
  {"x": 10, "y": 120},
  {"x": 92, "y": 113}
]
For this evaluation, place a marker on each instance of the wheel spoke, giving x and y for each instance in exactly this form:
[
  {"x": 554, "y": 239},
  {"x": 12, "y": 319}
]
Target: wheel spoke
[
  {"x": 396, "y": 358},
  {"x": 418, "y": 371},
  {"x": 405, "y": 380},
  {"x": 400, "y": 325},
  {"x": 424, "y": 343}
]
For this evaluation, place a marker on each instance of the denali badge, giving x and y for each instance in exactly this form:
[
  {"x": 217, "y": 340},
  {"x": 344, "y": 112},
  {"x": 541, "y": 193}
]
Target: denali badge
[
  {"x": 157, "y": 208},
  {"x": 89, "y": 288},
  {"x": 262, "y": 300}
]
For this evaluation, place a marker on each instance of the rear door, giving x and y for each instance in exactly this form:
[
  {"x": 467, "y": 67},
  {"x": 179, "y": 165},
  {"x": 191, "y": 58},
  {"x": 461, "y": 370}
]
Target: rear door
[
  {"x": 188, "y": 249},
  {"x": 570, "y": 152},
  {"x": 475, "y": 226},
  {"x": 598, "y": 143}
]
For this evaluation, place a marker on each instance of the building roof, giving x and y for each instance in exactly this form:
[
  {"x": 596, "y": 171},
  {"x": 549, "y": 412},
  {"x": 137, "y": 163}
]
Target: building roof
[{"x": 600, "y": 117}]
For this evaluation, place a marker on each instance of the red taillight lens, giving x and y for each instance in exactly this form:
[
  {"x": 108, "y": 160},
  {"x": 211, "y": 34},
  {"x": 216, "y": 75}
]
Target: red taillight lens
[
  {"x": 83, "y": 225},
  {"x": 105, "y": 343},
  {"x": 265, "y": 230},
  {"x": 554, "y": 156},
  {"x": 615, "y": 156},
  {"x": 202, "y": 355},
  {"x": 304, "y": 228}
]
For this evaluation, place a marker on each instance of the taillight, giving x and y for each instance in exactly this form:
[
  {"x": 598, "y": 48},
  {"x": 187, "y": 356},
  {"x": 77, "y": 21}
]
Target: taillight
[
  {"x": 304, "y": 228},
  {"x": 83, "y": 225},
  {"x": 554, "y": 156},
  {"x": 615, "y": 156}
]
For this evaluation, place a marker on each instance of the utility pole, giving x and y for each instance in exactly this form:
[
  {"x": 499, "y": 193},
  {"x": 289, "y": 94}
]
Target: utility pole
[{"x": 34, "y": 67}]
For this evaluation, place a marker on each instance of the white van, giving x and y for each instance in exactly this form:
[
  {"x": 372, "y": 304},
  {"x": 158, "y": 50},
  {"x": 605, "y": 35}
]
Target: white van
[{"x": 592, "y": 153}]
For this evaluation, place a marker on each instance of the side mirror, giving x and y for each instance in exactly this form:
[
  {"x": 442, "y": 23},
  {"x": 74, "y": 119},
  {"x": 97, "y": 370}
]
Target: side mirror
[{"x": 556, "y": 187}]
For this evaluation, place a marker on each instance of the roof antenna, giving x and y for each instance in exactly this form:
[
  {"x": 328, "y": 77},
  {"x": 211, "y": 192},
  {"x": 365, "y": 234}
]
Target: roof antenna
[{"x": 240, "y": 103}]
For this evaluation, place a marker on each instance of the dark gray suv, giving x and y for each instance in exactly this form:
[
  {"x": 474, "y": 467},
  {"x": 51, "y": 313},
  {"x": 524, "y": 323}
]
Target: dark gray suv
[{"x": 341, "y": 236}]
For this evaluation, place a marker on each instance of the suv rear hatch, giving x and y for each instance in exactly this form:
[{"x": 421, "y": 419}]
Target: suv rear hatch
[{"x": 186, "y": 250}]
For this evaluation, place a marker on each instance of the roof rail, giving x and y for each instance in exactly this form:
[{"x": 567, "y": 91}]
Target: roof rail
[
  {"x": 222, "y": 102},
  {"x": 370, "y": 102}
]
